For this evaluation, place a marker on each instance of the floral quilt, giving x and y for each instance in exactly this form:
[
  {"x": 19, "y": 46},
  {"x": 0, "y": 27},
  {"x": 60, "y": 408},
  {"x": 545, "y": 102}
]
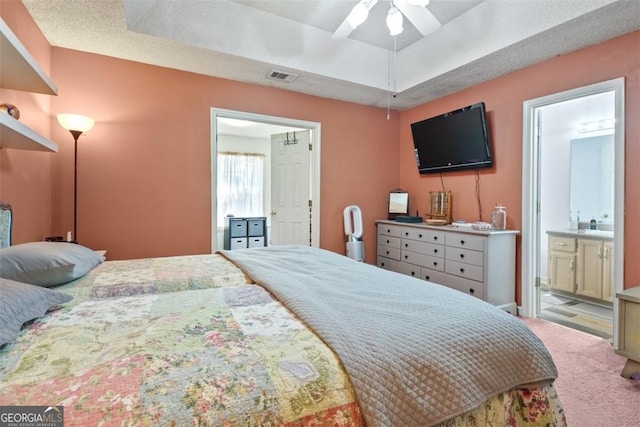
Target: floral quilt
[{"x": 190, "y": 341}]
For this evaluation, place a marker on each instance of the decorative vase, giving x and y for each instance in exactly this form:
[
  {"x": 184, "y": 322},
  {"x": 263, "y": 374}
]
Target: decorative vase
[{"x": 11, "y": 110}]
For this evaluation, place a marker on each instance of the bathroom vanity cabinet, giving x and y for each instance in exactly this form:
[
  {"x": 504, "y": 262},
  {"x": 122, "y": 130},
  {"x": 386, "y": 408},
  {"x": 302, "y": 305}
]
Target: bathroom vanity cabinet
[{"x": 581, "y": 264}]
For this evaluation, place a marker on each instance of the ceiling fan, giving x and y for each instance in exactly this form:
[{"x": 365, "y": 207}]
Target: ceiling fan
[{"x": 414, "y": 10}]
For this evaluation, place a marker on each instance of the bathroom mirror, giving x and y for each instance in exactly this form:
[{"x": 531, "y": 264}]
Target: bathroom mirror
[
  {"x": 398, "y": 203},
  {"x": 592, "y": 179}
]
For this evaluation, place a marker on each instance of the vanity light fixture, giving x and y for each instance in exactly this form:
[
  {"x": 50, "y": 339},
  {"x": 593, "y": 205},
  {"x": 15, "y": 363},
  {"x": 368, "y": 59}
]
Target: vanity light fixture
[
  {"x": 597, "y": 125},
  {"x": 76, "y": 124}
]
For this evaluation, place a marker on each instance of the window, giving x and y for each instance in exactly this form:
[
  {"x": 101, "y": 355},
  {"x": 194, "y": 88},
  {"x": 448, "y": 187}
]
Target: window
[{"x": 240, "y": 185}]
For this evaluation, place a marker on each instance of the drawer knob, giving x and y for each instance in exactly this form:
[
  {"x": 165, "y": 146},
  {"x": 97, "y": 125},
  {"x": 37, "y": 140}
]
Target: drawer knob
[
  {"x": 406, "y": 245},
  {"x": 406, "y": 257},
  {"x": 420, "y": 236},
  {"x": 435, "y": 251},
  {"x": 388, "y": 241},
  {"x": 406, "y": 233},
  {"x": 413, "y": 273},
  {"x": 387, "y": 252},
  {"x": 435, "y": 237},
  {"x": 462, "y": 242},
  {"x": 471, "y": 290},
  {"x": 435, "y": 263},
  {"x": 382, "y": 264},
  {"x": 426, "y": 277},
  {"x": 462, "y": 270},
  {"x": 461, "y": 255}
]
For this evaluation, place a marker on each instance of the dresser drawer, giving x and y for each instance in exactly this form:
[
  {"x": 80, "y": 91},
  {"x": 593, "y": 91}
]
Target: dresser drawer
[
  {"x": 469, "y": 287},
  {"x": 410, "y": 269},
  {"x": 423, "y": 235},
  {"x": 562, "y": 244},
  {"x": 389, "y": 241},
  {"x": 423, "y": 247},
  {"x": 435, "y": 263},
  {"x": 465, "y": 255},
  {"x": 389, "y": 252},
  {"x": 388, "y": 263},
  {"x": 468, "y": 271},
  {"x": 389, "y": 230},
  {"x": 466, "y": 241},
  {"x": 434, "y": 276}
]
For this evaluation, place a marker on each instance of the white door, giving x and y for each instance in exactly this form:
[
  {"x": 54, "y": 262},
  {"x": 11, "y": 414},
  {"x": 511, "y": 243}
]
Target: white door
[{"x": 290, "y": 188}]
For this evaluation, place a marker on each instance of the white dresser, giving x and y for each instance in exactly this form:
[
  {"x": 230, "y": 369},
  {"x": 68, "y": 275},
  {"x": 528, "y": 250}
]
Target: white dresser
[{"x": 477, "y": 262}]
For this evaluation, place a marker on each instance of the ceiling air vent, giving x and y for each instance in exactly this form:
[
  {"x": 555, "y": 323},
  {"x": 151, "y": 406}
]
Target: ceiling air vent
[{"x": 282, "y": 76}]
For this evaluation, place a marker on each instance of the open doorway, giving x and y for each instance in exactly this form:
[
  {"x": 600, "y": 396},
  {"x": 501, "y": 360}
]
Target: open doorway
[
  {"x": 573, "y": 226},
  {"x": 250, "y": 135}
]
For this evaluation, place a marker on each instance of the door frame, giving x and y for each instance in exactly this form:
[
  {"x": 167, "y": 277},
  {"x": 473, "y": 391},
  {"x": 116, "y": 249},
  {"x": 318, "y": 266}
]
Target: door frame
[
  {"x": 530, "y": 197},
  {"x": 315, "y": 136}
]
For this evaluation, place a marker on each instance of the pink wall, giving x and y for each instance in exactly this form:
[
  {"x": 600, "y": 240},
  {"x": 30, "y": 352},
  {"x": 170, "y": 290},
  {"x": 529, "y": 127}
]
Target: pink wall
[
  {"x": 144, "y": 185},
  {"x": 504, "y": 97},
  {"x": 25, "y": 176}
]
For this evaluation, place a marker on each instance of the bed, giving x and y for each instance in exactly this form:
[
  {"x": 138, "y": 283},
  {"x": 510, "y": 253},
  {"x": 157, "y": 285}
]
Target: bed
[{"x": 259, "y": 337}]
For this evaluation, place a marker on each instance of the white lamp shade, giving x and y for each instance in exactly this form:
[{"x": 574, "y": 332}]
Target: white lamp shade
[
  {"x": 75, "y": 122},
  {"x": 394, "y": 21},
  {"x": 421, "y": 3}
]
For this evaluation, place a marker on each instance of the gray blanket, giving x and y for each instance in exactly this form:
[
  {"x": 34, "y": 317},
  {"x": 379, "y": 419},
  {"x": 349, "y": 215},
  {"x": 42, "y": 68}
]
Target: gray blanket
[{"x": 417, "y": 353}]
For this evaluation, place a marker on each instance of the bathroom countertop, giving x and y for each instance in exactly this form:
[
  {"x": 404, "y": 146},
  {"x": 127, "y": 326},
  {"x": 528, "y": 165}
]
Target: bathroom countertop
[{"x": 590, "y": 234}]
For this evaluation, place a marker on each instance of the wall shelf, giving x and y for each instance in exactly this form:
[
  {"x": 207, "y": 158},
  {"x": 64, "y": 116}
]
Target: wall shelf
[
  {"x": 14, "y": 134},
  {"x": 20, "y": 71}
]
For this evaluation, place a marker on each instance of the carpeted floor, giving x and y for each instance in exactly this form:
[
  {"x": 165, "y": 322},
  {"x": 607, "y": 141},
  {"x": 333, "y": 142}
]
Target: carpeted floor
[{"x": 589, "y": 384}]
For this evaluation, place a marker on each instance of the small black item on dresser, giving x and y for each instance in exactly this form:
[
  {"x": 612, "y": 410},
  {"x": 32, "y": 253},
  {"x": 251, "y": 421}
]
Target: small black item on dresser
[
  {"x": 54, "y": 239},
  {"x": 408, "y": 218}
]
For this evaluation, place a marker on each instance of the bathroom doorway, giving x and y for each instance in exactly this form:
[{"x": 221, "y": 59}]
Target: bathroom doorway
[{"x": 573, "y": 169}]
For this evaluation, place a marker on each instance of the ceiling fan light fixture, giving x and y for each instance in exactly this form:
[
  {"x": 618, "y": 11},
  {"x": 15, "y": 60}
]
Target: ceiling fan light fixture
[
  {"x": 394, "y": 21},
  {"x": 358, "y": 15}
]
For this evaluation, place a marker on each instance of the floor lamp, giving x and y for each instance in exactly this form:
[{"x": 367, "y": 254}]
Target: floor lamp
[{"x": 77, "y": 125}]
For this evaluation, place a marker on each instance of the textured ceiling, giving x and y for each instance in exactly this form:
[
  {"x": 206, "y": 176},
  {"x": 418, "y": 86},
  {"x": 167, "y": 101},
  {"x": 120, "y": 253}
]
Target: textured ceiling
[{"x": 246, "y": 40}]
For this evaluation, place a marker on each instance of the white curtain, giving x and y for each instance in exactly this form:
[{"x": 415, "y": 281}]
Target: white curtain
[{"x": 240, "y": 185}]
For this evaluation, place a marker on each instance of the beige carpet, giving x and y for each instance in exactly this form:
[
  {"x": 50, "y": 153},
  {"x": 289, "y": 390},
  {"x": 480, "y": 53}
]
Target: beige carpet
[{"x": 592, "y": 392}]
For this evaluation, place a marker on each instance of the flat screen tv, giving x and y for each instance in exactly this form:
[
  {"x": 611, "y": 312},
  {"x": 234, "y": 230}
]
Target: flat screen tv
[{"x": 453, "y": 141}]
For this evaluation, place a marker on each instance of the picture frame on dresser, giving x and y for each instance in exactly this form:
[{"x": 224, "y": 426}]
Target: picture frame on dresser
[{"x": 398, "y": 203}]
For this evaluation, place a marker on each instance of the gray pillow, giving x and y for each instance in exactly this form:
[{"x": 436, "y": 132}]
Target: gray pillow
[
  {"x": 20, "y": 302},
  {"x": 47, "y": 263}
]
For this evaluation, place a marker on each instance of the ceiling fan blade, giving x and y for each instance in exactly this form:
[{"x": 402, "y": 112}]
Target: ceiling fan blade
[
  {"x": 420, "y": 17},
  {"x": 343, "y": 31}
]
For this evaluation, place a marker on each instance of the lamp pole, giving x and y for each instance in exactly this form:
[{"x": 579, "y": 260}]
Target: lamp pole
[
  {"x": 77, "y": 125},
  {"x": 76, "y": 134}
]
